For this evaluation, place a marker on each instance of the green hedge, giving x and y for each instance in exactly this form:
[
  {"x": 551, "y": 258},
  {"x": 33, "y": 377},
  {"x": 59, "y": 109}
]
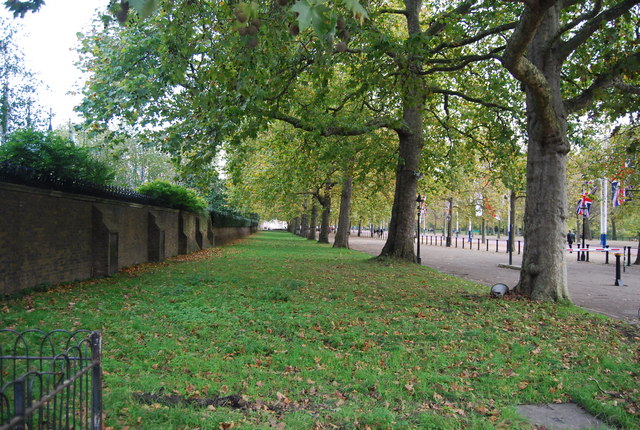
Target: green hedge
[{"x": 174, "y": 196}]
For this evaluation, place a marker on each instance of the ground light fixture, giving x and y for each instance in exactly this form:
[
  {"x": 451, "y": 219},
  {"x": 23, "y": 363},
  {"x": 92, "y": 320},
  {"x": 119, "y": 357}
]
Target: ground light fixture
[{"x": 499, "y": 290}]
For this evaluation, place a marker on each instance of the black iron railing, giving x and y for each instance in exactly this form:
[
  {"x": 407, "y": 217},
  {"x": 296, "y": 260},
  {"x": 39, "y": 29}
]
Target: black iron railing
[
  {"x": 50, "y": 380},
  {"x": 26, "y": 176}
]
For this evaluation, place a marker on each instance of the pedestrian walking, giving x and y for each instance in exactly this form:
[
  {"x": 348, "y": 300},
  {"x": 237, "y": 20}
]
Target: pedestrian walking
[{"x": 571, "y": 237}]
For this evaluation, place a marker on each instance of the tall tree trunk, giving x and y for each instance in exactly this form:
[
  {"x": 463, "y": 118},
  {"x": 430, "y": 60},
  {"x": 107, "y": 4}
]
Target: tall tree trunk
[
  {"x": 314, "y": 221},
  {"x": 614, "y": 229},
  {"x": 399, "y": 242},
  {"x": 344, "y": 221},
  {"x": 544, "y": 275},
  {"x": 323, "y": 237},
  {"x": 325, "y": 202},
  {"x": 295, "y": 225},
  {"x": 360, "y": 227},
  {"x": 304, "y": 222}
]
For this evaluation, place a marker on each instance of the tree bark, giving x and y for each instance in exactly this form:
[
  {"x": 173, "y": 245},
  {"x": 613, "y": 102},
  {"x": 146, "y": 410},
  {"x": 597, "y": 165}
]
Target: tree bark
[
  {"x": 304, "y": 222},
  {"x": 325, "y": 202},
  {"x": 344, "y": 221},
  {"x": 543, "y": 275},
  {"x": 295, "y": 225},
  {"x": 614, "y": 229},
  {"x": 314, "y": 222},
  {"x": 399, "y": 242}
]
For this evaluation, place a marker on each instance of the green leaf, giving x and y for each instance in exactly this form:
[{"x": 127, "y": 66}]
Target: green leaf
[
  {"x": 144, "y": 7},
  {"x": 357, "y": 9},
  {"x": 323, "y": 20},
  {"x": 304, "y": 10}
]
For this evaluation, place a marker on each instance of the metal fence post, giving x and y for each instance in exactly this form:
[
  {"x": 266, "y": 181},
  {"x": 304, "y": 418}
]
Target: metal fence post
[
  {"x": 96, "y": 381},
  {"x": 19, "y": 402}
]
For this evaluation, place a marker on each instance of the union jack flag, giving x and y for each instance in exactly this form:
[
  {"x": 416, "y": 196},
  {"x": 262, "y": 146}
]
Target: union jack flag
[
  {"x": 618, "y": 193},
  {"x": 584, "y": 205}
]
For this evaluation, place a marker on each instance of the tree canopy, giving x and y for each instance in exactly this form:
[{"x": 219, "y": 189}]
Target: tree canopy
[
  {"x": 49, "y": 153},
  {"x": 479, "y": 77}
]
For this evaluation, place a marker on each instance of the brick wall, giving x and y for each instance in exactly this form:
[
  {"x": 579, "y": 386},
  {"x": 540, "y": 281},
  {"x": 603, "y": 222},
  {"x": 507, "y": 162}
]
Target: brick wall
[{"x": 51, "y": 237}]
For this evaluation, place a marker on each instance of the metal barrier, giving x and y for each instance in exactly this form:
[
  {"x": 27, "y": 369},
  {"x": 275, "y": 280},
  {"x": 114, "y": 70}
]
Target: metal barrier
[
  {"x": 50, "y": 380},
  {"x": 26, "y": 176}
]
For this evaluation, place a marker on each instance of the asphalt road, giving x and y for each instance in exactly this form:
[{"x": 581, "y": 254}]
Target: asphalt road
[{"x": 591, "y": 284}]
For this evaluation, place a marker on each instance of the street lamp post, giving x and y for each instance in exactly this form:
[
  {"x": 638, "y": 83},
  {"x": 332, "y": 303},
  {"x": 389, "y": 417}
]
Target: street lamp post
[{"x": 419, "y": 200}]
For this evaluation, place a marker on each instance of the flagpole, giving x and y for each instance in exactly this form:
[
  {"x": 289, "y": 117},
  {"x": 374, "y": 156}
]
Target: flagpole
[{"x": 604, "y": 212}]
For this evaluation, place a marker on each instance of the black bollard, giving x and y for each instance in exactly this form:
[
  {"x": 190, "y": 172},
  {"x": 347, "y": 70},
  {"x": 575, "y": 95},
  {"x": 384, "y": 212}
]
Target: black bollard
[
  {"x": 478, "y": 244},
  {"x": 587, "y": 252},
  {"x": 628, "y": 256},
  {"x": 618, "y": 281},
  {"x": 487, "y": 243},
  {"x": 518, "y": 247},
  {"x": 496, "y": 245},
  {"x": 606, "y": 257}
]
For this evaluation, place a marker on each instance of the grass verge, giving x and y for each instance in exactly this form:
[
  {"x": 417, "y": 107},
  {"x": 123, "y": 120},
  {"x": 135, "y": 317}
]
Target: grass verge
[{"x": 280, "y": 332}]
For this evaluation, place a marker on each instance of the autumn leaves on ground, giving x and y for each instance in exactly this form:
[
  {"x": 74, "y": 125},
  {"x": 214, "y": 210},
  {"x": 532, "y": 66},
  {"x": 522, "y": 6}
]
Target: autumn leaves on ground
[{"x": 279, "y": 332}]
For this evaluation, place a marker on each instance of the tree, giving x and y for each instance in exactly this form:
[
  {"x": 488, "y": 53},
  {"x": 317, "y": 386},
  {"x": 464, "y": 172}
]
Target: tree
[
  {"x": 548, "y": 52},
  {"x": 18, "y": 86},
  {"x": 381, "y": 81},
  {"x": 49, "y": 153},
  {"x": 132, "y": 162}
]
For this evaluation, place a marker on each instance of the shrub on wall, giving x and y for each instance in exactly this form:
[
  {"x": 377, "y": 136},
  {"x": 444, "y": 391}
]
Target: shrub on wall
[
  {"x": 49, "y": 153},
  {"x": 174, "y": 196}
]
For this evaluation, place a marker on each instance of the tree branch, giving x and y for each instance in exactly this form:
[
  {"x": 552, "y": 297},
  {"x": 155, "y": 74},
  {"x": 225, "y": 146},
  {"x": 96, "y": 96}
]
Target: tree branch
[
  {"x": 438, "y": 25},
  {"x": 336, "y": 130},
  {"x": 521, "y": 68},
  {"x": 566, "y": 48},
  {"x": 470, "y": 99},
  {"x": 468, "y": 41},
  {"x": 393, "y": 11},
  {"x": 461, "y": 62},
  {"x": 617, "y": 83},
  {"x": 597, "y": 7},
  {"x": 607, "y": 79}
]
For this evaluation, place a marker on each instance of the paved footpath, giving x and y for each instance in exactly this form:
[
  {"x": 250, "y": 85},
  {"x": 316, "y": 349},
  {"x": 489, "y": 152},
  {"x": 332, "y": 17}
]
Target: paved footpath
[{"x": 591, "y": 284}]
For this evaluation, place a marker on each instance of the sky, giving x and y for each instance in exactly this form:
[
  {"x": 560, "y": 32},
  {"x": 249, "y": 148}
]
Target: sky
[{"x": 48, "y": 40}]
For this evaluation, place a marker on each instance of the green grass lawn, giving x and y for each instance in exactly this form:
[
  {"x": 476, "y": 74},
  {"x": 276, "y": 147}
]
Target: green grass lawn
[{"x": 317, "y": 338}]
